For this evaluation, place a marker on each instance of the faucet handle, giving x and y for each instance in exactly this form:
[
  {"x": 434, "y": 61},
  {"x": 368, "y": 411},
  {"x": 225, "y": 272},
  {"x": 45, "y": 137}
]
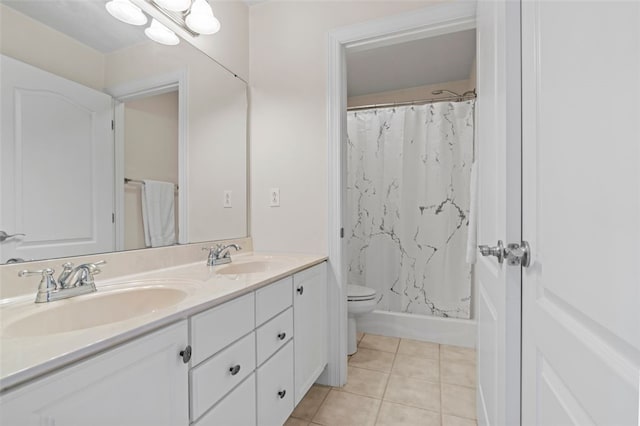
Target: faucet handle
[
  {"x": 89, "y": 270},
  {"x": 94, "y": 268},
  {"x": 213, "y": 249},
  {"x": 43, "y": 272},
  {"x": 226, "y": 248},
  {"x": 47, "y": 283}
]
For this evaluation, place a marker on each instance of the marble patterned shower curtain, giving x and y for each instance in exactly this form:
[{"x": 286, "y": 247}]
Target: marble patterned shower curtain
[{"x": 408, "y": 173}]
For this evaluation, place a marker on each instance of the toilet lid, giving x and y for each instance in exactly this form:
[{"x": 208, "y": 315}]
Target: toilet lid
[{"x": 358, "y": 292}]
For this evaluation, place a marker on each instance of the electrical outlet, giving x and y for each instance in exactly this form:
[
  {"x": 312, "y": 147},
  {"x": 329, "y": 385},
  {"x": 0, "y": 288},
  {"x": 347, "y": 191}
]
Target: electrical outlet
[
  {"x": 274, "y": 197},
  {"x": 226, "y": 203}
]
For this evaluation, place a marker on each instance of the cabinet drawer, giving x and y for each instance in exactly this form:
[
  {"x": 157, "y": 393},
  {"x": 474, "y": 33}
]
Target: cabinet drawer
[
  {"x": 275, "y": 388},
  {"x": 212, "y": 379},
  {"x": 218, "y": 327},
  {"x": 236, "y": 409},
  {"x": 273, "y": 299},
  {"x": 274, "y": 335}
]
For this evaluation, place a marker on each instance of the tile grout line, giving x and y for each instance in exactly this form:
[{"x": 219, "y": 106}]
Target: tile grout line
[
  {"x": 320, "y": 406},
  {"x": 387, "y": 384}
]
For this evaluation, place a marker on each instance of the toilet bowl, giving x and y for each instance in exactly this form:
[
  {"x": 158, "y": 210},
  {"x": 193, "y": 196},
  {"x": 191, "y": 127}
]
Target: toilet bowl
[{"x": 360, "y": 300}]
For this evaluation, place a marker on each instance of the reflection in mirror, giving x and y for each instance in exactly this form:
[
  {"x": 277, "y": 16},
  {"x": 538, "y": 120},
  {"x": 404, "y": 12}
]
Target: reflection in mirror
[
  {"x": 111, "y": 141},
  {"x": 150, "y": 126}
]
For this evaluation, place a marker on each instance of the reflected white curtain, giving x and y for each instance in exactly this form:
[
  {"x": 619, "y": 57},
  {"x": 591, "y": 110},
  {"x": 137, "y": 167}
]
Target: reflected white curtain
[{"x": 408, "y": 172}]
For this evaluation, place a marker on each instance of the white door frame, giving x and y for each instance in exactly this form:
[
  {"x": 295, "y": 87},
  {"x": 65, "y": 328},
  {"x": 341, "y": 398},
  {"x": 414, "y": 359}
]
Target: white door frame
[
  {"x": 156, "y": 85},
  {"x": 428, "y": 22}
]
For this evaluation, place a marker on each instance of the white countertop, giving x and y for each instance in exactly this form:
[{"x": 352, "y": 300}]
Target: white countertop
[{"x": 25, "y": 358}]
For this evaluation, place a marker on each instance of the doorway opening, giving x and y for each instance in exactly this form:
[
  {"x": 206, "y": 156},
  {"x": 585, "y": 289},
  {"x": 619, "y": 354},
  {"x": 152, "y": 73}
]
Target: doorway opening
[
  {"x": 432, "y": 22},
  {"x": 147, "y": 151},
  {"x": 150, "y": 153}
]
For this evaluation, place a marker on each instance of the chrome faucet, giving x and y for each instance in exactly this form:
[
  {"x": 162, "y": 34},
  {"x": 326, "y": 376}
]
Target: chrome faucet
[
  {"x": 219, "y": 254},
  {"x": 71, "y": 282}
]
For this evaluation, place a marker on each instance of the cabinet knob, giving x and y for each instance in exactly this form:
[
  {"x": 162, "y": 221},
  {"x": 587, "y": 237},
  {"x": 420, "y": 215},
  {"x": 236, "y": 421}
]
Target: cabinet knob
[
  {"x": 300, "y": 289},
  {"x": 186, "y": 354},
  {"x": 234, "y": 370},
  {"x": 282, "y": 335},
  {"x": 282, "y": 393}
]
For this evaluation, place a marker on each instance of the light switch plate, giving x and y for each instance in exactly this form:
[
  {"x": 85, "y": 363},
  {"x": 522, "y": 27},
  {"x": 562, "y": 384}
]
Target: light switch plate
[
  {"x": 226, "y": 202},
  {"x": 274, "y": 197}
]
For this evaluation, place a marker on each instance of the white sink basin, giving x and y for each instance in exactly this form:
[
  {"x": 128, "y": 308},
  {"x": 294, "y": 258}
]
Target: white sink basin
[
  {"x": 250, "y": 267},
  {"x": 93, "y": 310}
]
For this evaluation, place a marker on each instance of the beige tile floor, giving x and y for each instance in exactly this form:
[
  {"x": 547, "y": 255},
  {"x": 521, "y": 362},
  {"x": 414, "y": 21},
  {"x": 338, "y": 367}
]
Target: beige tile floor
[{"x": 397, "y": 382}]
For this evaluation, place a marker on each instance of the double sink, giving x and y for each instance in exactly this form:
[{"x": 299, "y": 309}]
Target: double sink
[
  {"x": 37, "y": 338},
  {"x": 124, "y": 300}
]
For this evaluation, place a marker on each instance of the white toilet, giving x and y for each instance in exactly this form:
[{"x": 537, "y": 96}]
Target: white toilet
[{"x": 360, "y": 300}]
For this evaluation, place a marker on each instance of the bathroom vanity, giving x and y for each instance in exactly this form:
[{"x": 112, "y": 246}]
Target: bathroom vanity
[{"x": 237, "y": 344}]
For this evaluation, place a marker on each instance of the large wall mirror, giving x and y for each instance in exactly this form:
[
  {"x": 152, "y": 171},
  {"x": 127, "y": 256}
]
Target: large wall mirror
[{"x": 111, "y": 141}]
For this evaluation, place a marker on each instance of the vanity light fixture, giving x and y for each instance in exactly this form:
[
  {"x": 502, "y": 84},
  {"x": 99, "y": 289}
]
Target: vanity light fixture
[
  {"x": 193, "y": 16},
  {"x": 161, "y": 34},
  {"x": 125, "y": 11},
  {"x": 201, "y": 19},
  {"x": 174, "y": 5}
]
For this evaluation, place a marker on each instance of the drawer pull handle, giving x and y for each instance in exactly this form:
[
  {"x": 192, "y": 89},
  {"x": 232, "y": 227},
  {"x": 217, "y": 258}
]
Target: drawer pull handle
[
  {"x": 234, "y": 370},
  {"x": 300, "y": 289},
  {"x": 282, "y": 393},
  {"x": 186, "y": 354},
  {"x": 281, "y": 336}
]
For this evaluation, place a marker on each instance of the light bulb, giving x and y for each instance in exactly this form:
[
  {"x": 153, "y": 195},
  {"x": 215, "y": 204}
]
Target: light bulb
[
  {"x": 174, "y": 5},
  {"x": 161, "y": 34},
  {"x": 201, "y": 19},
  {"x": 125, "y": 11}
]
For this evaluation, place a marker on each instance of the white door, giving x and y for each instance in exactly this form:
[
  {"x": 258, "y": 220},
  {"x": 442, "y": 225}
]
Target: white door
[
  {"x": 498, "y": 157},
  {"x": 56, "y": 153},
  {"x": 581, "y": 212}
]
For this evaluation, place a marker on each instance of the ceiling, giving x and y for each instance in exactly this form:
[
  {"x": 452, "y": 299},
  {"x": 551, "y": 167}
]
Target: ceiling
[
  {"x": 84, "y": 20},
  {"x": 432, "y": 60}
]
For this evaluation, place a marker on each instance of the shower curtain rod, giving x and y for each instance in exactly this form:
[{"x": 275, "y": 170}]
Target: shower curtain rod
[{"x": 416, "y": 102}]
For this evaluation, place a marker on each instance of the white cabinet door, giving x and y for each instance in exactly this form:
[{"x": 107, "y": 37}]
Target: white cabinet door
[
  {"x": 275, "y": 383},
  {"x": 57, "y": 162},
  {"x": 498, "y": 157},
  {"x": 310, "y": 327},
  {"x": 236, "y": 409},
  {"x": 581, "y": 212},
  {"x": 140, "y": 383}
]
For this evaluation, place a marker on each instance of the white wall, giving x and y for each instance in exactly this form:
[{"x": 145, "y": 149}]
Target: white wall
[
  {"x": 288, "y": 125},
  {"x": 230, "y": 45},
  {"x": 22, "y": 38}
]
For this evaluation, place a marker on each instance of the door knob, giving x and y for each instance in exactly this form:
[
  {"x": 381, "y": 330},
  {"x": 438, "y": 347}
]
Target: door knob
[
  {"x": 497, "y": 251},
  {"x": 518, "y": 254},
  {"x": 300, "y": 289},
  {"x": 5, "y": 236}
]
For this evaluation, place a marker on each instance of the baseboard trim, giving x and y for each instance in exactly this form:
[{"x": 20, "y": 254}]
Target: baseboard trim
[{"x": 447, "y": 331}]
